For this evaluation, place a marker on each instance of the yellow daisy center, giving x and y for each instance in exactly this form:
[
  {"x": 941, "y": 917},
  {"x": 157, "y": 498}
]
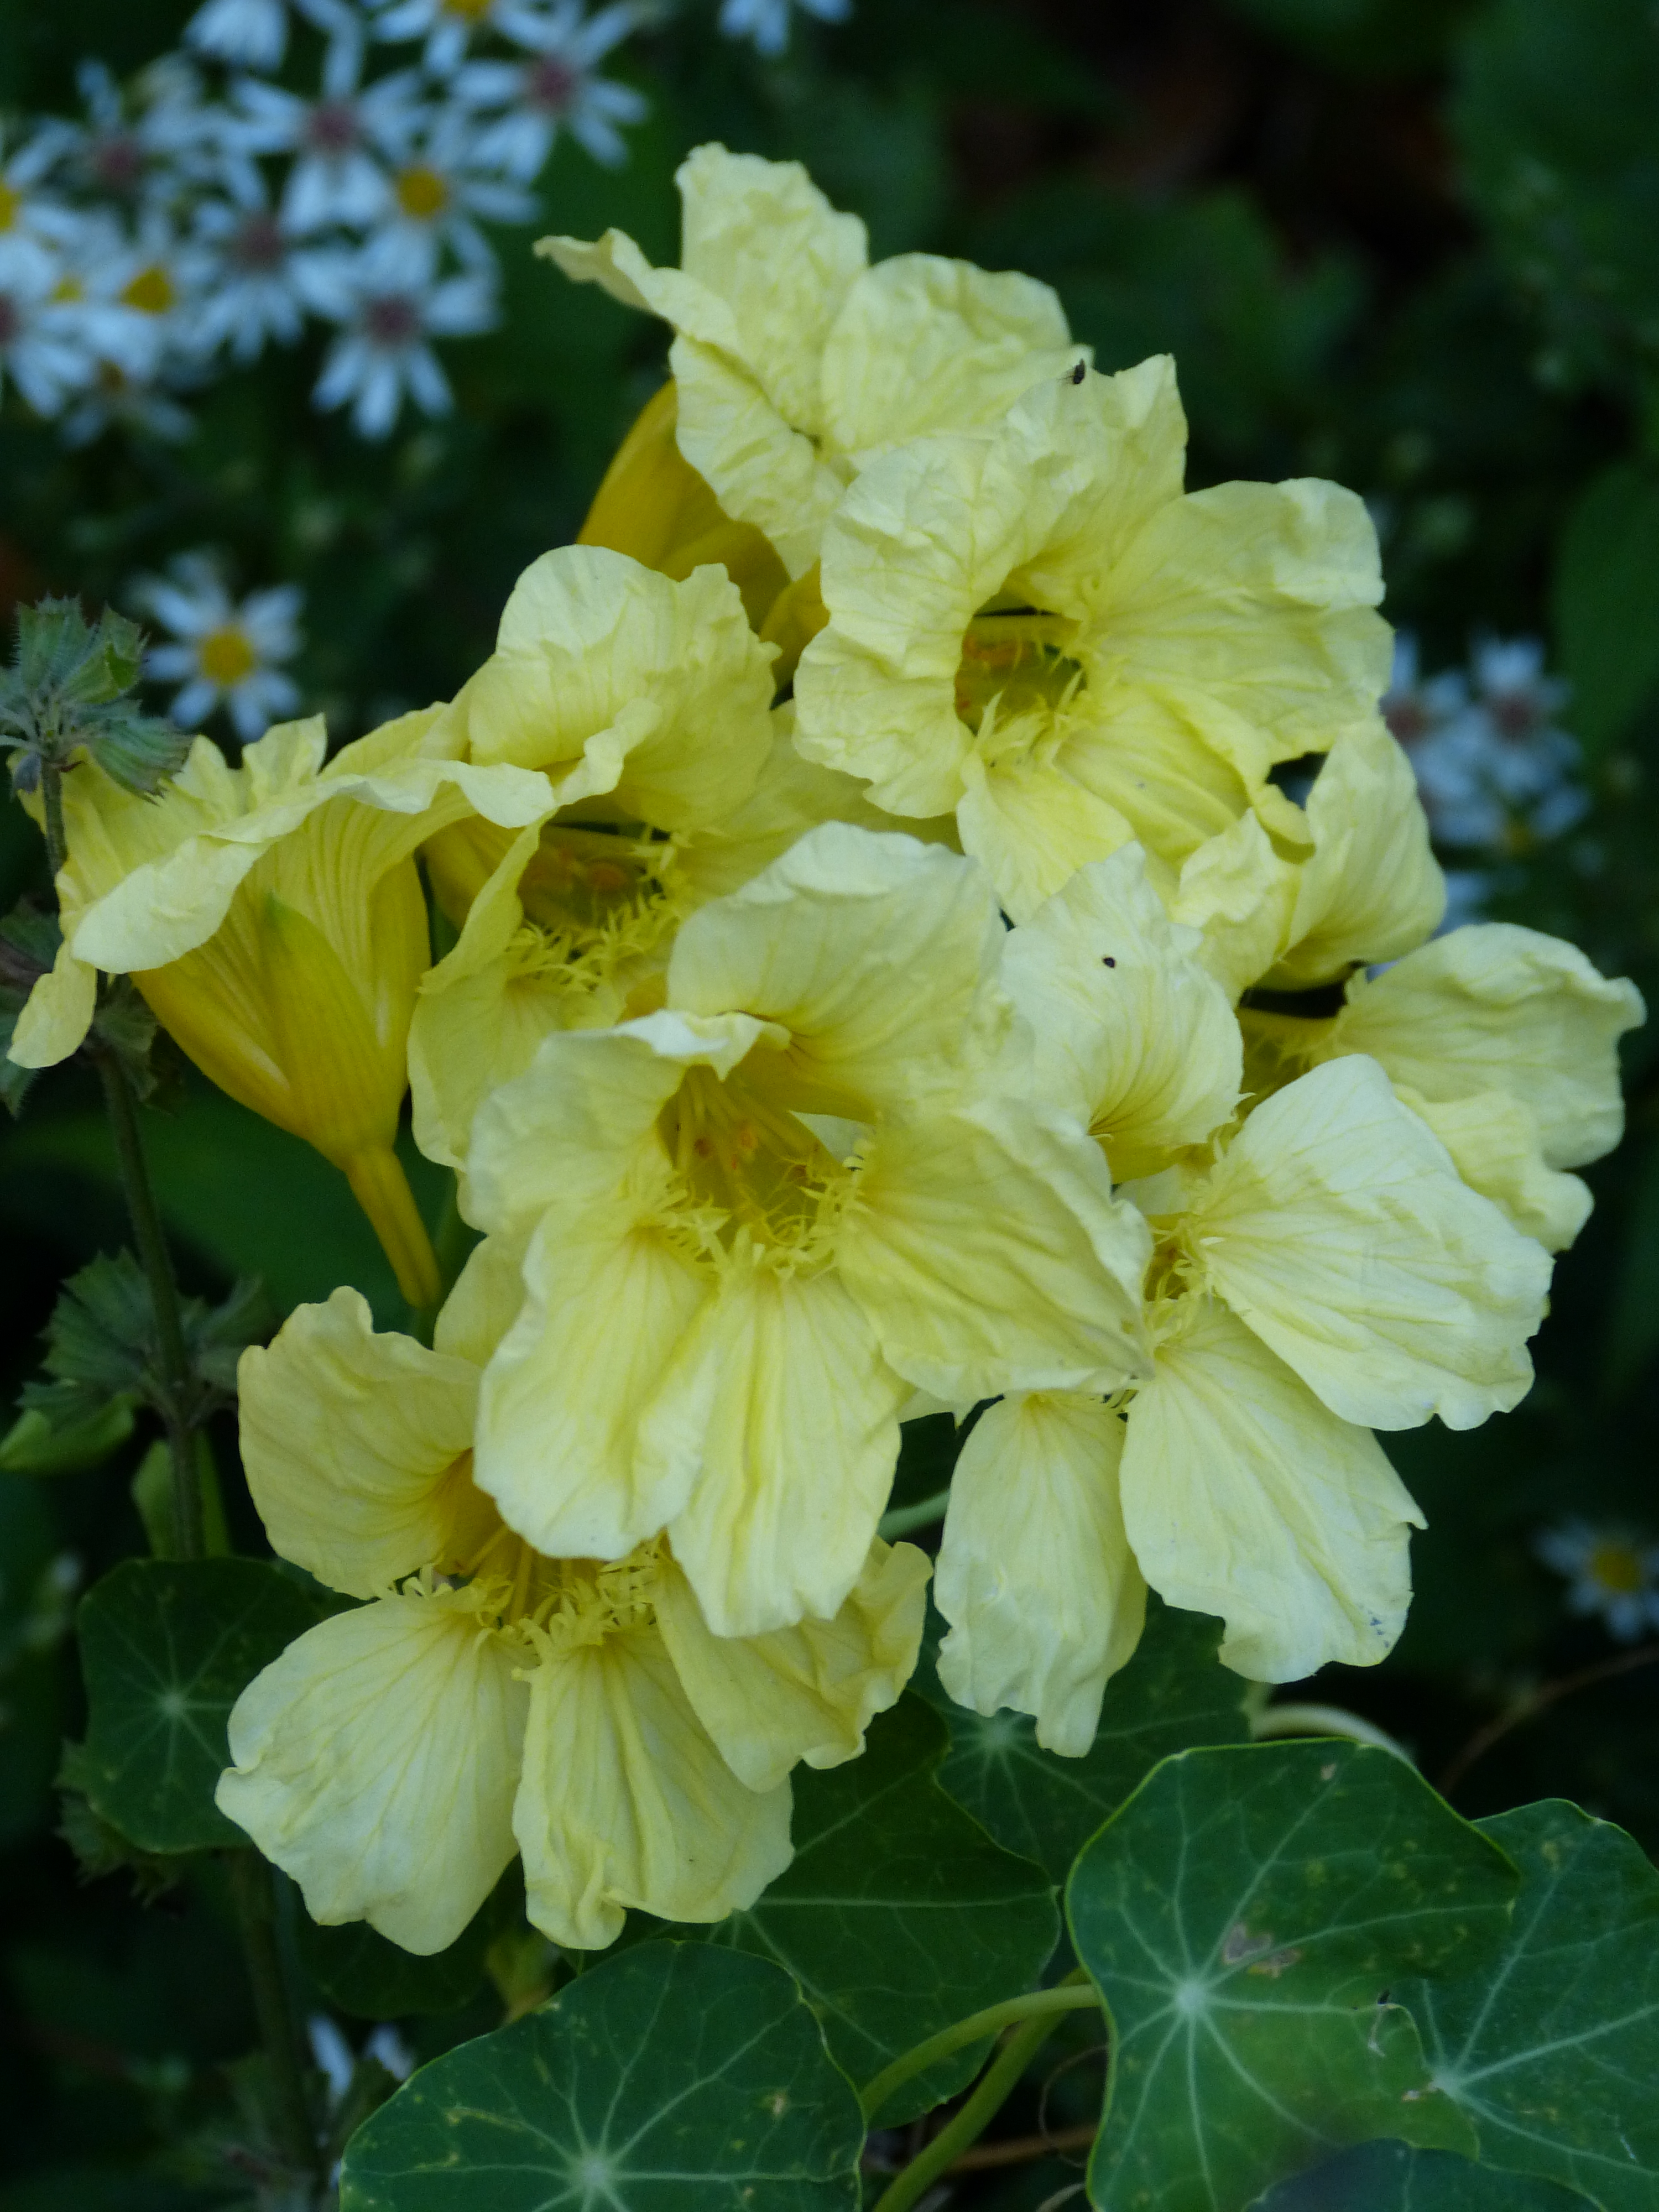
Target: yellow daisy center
[
  {"x": 422, "y": 192},
  {"x": 225, "y": 656},
  {"x": 10, "y": 202},
  {"x": 151, "y": 291},
  {"x": 1617, "y": 1567},
  {"x": 470, "y": 11}
]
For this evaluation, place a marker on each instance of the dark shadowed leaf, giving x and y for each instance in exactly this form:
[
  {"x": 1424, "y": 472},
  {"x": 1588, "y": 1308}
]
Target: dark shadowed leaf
[
  {"x": 167, "y": 1647},
  {"x": 899, "y": 1914},
  {"x": 1173, "y": 1694},
  {"x": 1247, "y": 1916},
  {"x": 1553, "y": 2050},
  {"x": 673, "y": 2078},
  {"x": 1392, "y": 2177}
]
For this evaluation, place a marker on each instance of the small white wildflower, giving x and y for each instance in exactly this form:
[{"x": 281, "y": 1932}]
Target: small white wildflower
[
  {"x": 252, "y": 296},
  {"x": 249, "y": 34},
  {"x": 343, "y": 142},
  {"x": 555, "y": 89},
  {"x": 1498, "y": 774},
  {"x": 1612, "y": 1570},
  {"x": 448, "y": 27},
  {"x": 391, "y": 303},
  {"x": 224, "y": 653},
  {"x": 765, "y": 23},
  {"x": 43, "y": 345},
  {"x": 444, "y": 187}
]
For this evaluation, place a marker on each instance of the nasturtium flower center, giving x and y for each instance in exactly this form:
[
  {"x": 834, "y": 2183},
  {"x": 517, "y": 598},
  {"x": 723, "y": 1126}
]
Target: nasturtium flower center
[
  {"x": 570, "y": 1602},
  {"x": 1015, "y": 661},
  {"x": 738, "y": 1150},
  {"x": 226, "y": 656}
]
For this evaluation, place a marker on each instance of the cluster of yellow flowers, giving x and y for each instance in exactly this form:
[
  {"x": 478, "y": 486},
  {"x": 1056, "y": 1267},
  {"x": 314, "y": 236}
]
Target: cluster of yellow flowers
[{"x": 892, "y": 626}]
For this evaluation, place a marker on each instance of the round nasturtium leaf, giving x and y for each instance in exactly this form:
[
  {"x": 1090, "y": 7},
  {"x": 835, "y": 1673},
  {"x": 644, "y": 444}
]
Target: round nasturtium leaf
[
  {"x": 167, "y": 1647},
  {"x": 672, "y": 2078},
  {"x": 1248, "y": 1917}
]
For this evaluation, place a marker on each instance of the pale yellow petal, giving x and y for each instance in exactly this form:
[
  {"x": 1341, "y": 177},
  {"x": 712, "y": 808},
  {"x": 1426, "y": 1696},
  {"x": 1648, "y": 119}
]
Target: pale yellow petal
[
  {"x": 663, "y": 683},
  {"x": 625, "y": 1804},
  {"x": 1494, "y": 1142},
  {"x": 1338, "y": 1228},
  {"x": 1496, "y": 1007},
  {"x": 56, "y": 1014},
  {"x": 986, "y": 1246},
  {"x": 376, "y": 1761},
  {"x": 608, "y": 1299},
  {"x": 580, "y": 1121},
  {"x": 1242, "y": 1496},
  {"x": 484, "y": 1304},
  {"x": 777, "y": 1425},
  {"x": 767, "y": 473},
  {"x": 1032, "y": 826},
  {"x": 1035, "y": 1576},
  {"x": 1131, "y": 1032},
  {"x": 806, "y": 1692},
  {"x": 922, "y": 343},
  {"x": 1237, "y": 893},
  {"x": 1372, "y": 889},
  {"x": 348, "y": 1438},
  {"x": 921, "y": 541},
  {"x": 830, "y": 942},
  {"x": 1261, "y": 596}
]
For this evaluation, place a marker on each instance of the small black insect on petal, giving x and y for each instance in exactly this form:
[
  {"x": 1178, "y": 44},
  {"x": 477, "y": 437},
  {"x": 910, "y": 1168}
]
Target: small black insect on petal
[
  {"x": 1107, "y": 961},
  {"x": 1080, "y": 372}
]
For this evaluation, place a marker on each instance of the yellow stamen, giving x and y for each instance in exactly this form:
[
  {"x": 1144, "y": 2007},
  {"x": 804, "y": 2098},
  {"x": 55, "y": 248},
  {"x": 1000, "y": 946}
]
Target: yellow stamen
[
  {"x": 151, "y": 291},
  {"x": 422, "y": 192}
]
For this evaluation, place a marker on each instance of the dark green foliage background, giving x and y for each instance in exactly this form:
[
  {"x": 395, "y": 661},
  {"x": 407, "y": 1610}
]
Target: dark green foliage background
[{"x": 1408, "y": 243}]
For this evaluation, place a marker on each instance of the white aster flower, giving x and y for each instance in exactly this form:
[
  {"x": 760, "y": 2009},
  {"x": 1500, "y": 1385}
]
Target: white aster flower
[
  {"x": 1499, "y": 774},
  {"x": 765, "y": 23},
  {"x": 251, "y": 295},
  {"x": 248, "y": 33},
  {"x": 223, "y": 654},
  {"x": 1612, "y": 1570},
  {"x": 391, "y": 303},
  {"x": 34, "y": 225},
  {"x": 555, "y": 89},
  {"x": 342, "y": 142},
  {"x": 448, "y": 27},
  {"x": 445, "y": 186},
  {"x": 43, "y": 345}
]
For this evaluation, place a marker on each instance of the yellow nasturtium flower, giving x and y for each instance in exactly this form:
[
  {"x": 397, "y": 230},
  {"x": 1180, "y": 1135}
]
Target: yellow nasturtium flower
[
  {"x": 750, "y": 1222},
  {"x": 1035, "y": 629},
  {"x": 646, "y": 702},
  {"x": 272, "y": 916},
  {"x": 485, "y": 1699},
  {"x": 795, "y": 363},
  {"x": 1320, "y": 1270}
]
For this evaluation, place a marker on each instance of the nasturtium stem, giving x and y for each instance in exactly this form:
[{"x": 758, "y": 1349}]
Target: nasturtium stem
[
  {"x": 251, "y": 1885},
  {"x": 903, "y": 1518},
  {"x": 1072, "y": 1994},
  {"x": 52, "y": 800},
  {"x": 996, "y": 2085},
  {"x": 177, "y": 1381}
]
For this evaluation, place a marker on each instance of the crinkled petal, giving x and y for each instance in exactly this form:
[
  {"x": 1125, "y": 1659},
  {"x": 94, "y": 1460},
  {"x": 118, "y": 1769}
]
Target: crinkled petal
[
  {"x": 376, "y": 1761},
  {"x": 1496, "y": 1007},
  {"x": 1494, "y": 1143},
  {"x": 1372, "y": 889},
  {"x": 777, "y": 1427},
  {"x": 1337, "y": 1226},
  {"x": 626, "y": 1804},
  {"x": 1237, "y": 893},
  {"x": 989, "y": 1254},
  {"x": 351, "y": 1440},
  {"x": 971, "y": 343},
  {"x": 767, "y": 474},
  {"x": 806, "y": 1692},
  {"x": 1243, "y": 1496},
  {"x": 1036, "y": 1577},
  {"x": 1032, "y": 826},
  {"x": 608, "y": 1300},
  {"x": 1131, "y": 1032},
  {"x": 831, "y": 942}
]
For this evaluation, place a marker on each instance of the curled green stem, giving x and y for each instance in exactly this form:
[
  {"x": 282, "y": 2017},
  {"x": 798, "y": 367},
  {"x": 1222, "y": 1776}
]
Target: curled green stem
[
  {"x": 1072, "y": 1994},
  {"x": 996, "y": 2085}
]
